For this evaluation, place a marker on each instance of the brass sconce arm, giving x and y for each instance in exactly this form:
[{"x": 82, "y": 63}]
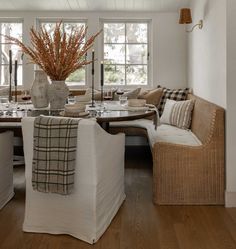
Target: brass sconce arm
[{"x": 200, "y": 26}]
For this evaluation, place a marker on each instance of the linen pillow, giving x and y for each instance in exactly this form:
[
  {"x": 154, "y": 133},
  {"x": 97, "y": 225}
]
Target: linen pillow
[
  {"x": 178, "y": 113},
  {"x": 152, "y": 96},
  {"x": 174, "y": 94},
  {"x": 133, "y": 94},
  {"x": 97, "y": 93}
]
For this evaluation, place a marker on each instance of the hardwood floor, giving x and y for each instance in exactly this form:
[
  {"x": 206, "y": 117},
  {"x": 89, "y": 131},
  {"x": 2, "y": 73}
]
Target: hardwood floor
[{"x": 138, "y": 225}]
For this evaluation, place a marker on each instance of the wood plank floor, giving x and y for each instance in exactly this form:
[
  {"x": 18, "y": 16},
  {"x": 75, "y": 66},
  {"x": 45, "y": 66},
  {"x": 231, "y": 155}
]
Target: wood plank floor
[{"x": 138, "y": 225}]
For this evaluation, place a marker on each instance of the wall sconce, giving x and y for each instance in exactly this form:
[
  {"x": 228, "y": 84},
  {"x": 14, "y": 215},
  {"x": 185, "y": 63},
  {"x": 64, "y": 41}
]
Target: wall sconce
[{"x": 186, "y": 18}]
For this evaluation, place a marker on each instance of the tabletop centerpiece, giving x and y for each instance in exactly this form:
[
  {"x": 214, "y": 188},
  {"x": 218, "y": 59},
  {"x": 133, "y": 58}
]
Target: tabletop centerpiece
[{"x": 58, "y": 55}]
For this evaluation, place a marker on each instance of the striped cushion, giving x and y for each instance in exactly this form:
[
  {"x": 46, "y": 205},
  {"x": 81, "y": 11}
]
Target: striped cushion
[
  {"x": 178, "y": 113},
  {"x": 174, "y": 94}
]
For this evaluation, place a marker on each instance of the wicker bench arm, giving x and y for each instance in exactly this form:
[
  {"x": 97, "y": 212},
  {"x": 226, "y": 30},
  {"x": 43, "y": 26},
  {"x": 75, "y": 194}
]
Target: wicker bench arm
[{"x": 187, "y": 174}]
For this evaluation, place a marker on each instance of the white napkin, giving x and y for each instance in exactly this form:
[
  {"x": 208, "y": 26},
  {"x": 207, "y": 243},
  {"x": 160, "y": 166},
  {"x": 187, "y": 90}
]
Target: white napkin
[{"x": 156, "y": 120}]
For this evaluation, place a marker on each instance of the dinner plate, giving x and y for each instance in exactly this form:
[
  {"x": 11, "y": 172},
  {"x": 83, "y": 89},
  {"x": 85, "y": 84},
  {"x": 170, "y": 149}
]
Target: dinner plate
[{"x": 80, "y": 114}]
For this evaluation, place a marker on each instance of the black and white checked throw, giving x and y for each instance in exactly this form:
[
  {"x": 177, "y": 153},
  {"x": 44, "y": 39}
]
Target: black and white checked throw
[
  {"x": 55, "y": 142},
  {"x": 174, "y": 94}
]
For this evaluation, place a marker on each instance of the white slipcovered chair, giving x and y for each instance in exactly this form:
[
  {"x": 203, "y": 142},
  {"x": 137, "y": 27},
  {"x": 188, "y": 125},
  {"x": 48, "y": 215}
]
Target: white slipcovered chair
[
  {"x": 6, "y": 167},
  {"x": 98, "y": 186}
]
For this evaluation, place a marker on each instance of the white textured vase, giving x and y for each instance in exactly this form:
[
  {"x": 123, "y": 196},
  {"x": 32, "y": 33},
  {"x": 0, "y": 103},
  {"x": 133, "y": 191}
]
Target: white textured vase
[
  {"x": 58, "y": 92},
  {"x": 39, "y": 89}
]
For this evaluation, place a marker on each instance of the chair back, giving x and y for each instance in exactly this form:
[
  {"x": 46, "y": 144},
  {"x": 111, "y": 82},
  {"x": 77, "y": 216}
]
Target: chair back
[
  {"x": 6, "y": 167},
  {"x": 98, "y": 186}
]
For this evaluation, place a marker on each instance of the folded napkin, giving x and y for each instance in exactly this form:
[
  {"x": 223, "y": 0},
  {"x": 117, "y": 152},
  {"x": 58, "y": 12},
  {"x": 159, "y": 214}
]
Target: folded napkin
[
  {"x": 137, "y": 108},
  {"x": 118, "y": 107},
  {"x": 156, "y": 120}
]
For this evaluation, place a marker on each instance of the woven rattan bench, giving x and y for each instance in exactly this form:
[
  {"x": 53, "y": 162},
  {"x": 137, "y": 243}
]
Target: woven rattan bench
[{"x": 189, "y": 175}]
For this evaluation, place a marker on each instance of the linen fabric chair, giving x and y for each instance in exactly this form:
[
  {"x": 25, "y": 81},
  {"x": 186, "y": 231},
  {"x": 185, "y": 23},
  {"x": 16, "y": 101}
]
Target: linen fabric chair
[
  {"x": 98, "y": 186},
  {"x": 6, "y": 167}
]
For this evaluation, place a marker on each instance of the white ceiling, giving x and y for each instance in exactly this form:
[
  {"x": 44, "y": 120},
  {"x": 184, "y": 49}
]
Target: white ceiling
[{"x": 94, "y": 5}]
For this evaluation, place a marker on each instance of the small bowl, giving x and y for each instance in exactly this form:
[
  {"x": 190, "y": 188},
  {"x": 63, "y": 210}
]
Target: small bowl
[
  {"x": 83, "y": 98},
  {"x": 136, "y": 102},
  {"x": 75, "y": 108}
]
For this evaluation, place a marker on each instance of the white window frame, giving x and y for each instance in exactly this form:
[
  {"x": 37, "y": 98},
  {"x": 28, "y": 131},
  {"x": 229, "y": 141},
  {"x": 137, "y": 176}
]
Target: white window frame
[
  {"x": 149, "y": 49},
  {"x": 68, "y": 20},
  {"x": 14, "y": 20}
]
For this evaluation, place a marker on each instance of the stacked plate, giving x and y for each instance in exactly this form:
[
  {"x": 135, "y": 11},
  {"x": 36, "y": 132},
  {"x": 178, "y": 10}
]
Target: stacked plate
[
  {"x": 136, "y": 102},
  {"x": 83, "y": 99},
  {"x": 74, "y": 110}
]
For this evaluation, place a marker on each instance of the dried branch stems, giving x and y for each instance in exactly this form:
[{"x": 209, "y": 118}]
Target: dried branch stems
[{"x": 60, "y": 54}]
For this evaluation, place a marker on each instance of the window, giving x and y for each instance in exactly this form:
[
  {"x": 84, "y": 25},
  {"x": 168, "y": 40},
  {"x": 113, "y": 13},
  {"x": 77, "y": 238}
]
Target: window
[
  {"x": 126, "y": 52},
  {"x": 79, "y": 76},
  {"x": 14, "y": 29}
]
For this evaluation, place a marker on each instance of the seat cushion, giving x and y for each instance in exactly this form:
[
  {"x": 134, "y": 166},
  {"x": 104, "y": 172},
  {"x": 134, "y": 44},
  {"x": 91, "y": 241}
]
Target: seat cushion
[{"x": 163, "y": 133}]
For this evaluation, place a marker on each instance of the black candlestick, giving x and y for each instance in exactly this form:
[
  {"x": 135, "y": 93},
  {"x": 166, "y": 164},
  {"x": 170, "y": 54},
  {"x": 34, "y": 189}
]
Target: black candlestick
[
  {"x": 93, "y": 104},
  {"x": 10, "y": 72},
  {"x": 102, "y": 80},
  {"x": 15, "y": 80}
]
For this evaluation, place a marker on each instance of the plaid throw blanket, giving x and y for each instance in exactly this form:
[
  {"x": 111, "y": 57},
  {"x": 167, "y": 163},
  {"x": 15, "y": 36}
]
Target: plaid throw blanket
[{"x": 55, "y": 141}]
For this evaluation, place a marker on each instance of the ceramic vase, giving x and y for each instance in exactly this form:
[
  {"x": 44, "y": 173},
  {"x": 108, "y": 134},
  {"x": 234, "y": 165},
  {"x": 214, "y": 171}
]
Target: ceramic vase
[
  {"x": 39, "y": 89},
  {"x": 58, "y": 92}
]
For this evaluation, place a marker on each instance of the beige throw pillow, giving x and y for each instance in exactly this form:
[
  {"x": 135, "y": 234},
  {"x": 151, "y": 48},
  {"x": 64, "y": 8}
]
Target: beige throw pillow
[
  {"x": 178, "y": 113},
  {"x": 152, "y": 96}
]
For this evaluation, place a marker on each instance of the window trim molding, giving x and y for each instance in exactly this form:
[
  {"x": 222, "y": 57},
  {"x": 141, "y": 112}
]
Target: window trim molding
[
  {"x": 22, "y": 64},
  {"x": 149, "y": 48}
]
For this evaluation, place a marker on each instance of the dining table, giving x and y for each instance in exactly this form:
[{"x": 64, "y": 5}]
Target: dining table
[{"x": 104, "y": 113}]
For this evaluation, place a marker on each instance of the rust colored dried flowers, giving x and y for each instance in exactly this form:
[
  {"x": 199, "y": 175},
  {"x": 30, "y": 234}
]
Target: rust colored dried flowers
[{"x": 58, "y": 55}]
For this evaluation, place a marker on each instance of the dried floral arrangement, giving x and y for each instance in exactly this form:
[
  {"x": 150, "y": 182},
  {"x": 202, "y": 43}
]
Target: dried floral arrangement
[{"x": 58, "y": 55}]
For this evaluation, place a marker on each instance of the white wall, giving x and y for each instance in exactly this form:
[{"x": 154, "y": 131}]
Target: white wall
[
  {"x": 207, "y": 51},
  {"x": 231, "y": 104},
  {"x": 212, "y": 71},
  {"x": 169, "y": 41}
]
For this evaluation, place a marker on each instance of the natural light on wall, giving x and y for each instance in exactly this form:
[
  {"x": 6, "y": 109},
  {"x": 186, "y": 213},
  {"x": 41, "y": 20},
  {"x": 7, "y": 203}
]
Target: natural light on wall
[
  {"x": 126, "y": 53},
  {"x": 13, "y": 29}
]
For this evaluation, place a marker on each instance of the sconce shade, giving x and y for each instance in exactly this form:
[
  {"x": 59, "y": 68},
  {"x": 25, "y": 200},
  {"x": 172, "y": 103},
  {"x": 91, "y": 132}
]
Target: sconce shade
[{"x": 185, "y": 16}]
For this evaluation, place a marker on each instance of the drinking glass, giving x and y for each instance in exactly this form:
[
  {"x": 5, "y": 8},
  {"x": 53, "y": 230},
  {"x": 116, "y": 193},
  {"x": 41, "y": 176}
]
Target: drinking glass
[
  {"x": 4, "y": 105},
  {"x": 71, "y": 99},
  {"x": 120, "y": 91},
  {"x": 123, "y": 100},
  {"x": 107, "y": 96},
  {"x": 13, "y": 106},
  {"x": 26, "y": 97}
]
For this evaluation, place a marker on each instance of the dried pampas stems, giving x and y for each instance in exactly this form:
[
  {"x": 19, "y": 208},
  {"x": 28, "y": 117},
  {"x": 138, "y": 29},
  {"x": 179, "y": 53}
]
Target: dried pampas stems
[{"x": 58, "y": 55}]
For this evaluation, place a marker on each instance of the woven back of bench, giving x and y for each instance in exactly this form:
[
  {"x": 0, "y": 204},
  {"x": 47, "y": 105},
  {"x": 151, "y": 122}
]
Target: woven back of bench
[{"x": 207, "y": 119}]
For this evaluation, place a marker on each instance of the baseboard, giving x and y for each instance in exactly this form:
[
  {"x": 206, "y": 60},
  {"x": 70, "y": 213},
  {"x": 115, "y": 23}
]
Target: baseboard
[{"x": 230, "y": 199}]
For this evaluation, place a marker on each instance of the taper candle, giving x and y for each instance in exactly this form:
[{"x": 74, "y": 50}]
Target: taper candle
[
  {"x": 15, "y": 73},
  {"x": 93, "y": 61},
  {"x": 10, "y": 61},
  {"x": 102, "y": 73}
]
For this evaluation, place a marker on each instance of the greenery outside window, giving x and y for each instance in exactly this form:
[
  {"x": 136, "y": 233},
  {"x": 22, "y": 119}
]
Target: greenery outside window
[
  {"x": 79, "y": 76},
  {"x": 126, "y": 52},
  {"x": 11, "y": 28}
]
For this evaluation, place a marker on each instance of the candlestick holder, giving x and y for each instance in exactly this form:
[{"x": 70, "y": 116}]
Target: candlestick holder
[
  {"x": 101, "y": 94},
  {"x": 93, "y": 101},
  {"x": 10, "y": 96},
  {"x": 10, "y": 73},
  {"x": 15, "y": 80},
  {"x": 15, "y": 93}
]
